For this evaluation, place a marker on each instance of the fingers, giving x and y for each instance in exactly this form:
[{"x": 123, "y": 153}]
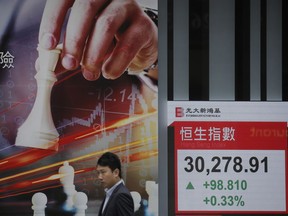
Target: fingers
[
  {"x": 136, "y": 48},
  {"x": 104, "y": 36},
  {"x": 81, "y": 18},
  {"x": 52, "y": 21},
  {"x": 80, "y": 22},
  {"x": 101, "y": 41},
  {"x": 136, "y": 40},
  {"x": 148, "y": 54},
  {"x": 51, "y": 25}
]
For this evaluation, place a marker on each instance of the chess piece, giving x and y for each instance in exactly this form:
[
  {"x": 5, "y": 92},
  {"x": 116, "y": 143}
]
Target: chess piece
[
  {"x": 38, "y": 130},
  {"x": 152, "y": 191},
  {"x": 67, "y": 180},
  {"x": 39, "y": 201},
  {"x": 136, "y": 199},
  {"x": 80, "y": 203}
]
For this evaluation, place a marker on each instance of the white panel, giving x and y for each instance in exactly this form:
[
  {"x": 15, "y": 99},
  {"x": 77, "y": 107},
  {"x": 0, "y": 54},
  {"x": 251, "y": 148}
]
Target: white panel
[
  {"x": 222, "y": 50},
  {"x": 274, "y": 50},
  {"x": 181, "y": 49}
]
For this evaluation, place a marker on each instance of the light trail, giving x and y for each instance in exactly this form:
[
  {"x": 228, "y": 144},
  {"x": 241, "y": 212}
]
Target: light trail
[
  {"x": 23, "y": 158},
  {"x": 32, "y": 155},
  {"x": 6, "y": 148},
  {"x": 132, "y": 158},
  {"x": 115, "y": 148},
  {"x": 55, "y": 177},
  {"x": 32, "y": 191},
  {"x": 3, "y": 162},
  {"x": 120, "y": 123}
]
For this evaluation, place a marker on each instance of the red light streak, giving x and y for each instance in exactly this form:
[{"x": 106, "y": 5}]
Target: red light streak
[
  {"x": 3, "y": 162},
  {"x": 32, "y": 155},
  {"x": 93, "y": 154},
  {"x": 120, "y": 123},
  {"x": 29, "y": 185},
  {"x": 24, "y": 158}
]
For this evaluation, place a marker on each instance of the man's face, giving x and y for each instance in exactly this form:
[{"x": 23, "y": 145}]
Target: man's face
[{"x": 107, "y": 177}]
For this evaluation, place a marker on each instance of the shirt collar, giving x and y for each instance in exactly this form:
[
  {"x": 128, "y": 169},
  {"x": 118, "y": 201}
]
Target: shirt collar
[{"x": 110, "y": 190}]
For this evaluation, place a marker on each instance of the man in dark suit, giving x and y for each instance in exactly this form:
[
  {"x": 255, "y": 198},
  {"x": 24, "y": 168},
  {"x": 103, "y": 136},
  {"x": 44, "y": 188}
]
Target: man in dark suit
[{"x": 118, "y": 200}]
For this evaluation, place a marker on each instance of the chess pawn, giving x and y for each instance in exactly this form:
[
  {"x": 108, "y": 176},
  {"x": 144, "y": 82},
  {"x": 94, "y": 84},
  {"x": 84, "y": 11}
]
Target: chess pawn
[
  {"x": 38, "y": 130},
  {"x": 67, "y": 180},
  {"x": 39, "y": 201},
  {"x": 80, "y": 203}
]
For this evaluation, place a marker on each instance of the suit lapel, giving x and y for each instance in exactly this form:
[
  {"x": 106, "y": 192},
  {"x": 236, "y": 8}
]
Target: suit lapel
[
  {"x": 101, "y": 207},
  {"x": 110, "y": 200}
]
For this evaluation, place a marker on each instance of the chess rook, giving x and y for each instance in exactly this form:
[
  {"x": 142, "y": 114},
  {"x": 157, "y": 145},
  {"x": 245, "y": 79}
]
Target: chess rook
[
  {"x": 80, "y": 203},
  {"x": 38, "y": 131}
]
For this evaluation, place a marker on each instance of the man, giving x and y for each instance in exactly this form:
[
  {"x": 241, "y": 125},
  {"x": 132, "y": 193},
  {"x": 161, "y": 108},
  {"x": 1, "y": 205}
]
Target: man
[{"x": 118, "y": 200}]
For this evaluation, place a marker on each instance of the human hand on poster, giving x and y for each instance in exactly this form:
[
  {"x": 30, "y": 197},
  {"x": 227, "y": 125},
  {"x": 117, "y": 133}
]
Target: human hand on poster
[{"x": 102, "y": 36}]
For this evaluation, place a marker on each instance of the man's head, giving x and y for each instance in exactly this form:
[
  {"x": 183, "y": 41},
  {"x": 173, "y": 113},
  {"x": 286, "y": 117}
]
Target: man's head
[{"x": 109, "y": 169}]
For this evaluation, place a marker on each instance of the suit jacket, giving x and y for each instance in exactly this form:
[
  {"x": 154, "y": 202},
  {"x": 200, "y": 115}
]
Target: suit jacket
[{"x": 120, "y": 203}]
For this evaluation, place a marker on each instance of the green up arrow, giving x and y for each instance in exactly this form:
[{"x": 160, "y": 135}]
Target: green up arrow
[{"x": 190, "y": 186}]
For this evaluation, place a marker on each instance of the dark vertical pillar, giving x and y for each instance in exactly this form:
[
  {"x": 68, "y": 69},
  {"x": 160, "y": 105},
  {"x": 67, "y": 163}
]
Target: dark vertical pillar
[
  {"x": 170, "y": 50},
  {"x": 171, "y": 172},
  {"x": 199, "y": 50},
  {"x": 263, "y": 52},
  {"x": 242, "y": 50}
]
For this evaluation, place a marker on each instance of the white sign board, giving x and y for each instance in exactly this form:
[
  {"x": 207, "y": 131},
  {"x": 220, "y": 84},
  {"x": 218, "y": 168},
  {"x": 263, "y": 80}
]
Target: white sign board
[{"x": 230, "y": 157}]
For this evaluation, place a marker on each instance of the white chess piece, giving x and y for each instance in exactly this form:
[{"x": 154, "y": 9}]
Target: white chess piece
[
  {"x": 80, "y": 203},
  {"x": 67, "y": 180},
  {"x": 39, "y": 201},
  {"x": 152, "y": 190},
  {"x": 38, "y": 130},
  {"x": 136, "y": 199}
]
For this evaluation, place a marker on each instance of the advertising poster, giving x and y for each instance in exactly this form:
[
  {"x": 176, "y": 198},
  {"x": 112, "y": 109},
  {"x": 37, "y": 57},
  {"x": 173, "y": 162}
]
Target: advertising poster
[
  {"x": 55, "y": 126},
  {"x": 230, "y": 157}
]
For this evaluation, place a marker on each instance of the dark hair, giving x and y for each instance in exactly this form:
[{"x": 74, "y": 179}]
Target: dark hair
[{"x": 111, "y": 160}]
